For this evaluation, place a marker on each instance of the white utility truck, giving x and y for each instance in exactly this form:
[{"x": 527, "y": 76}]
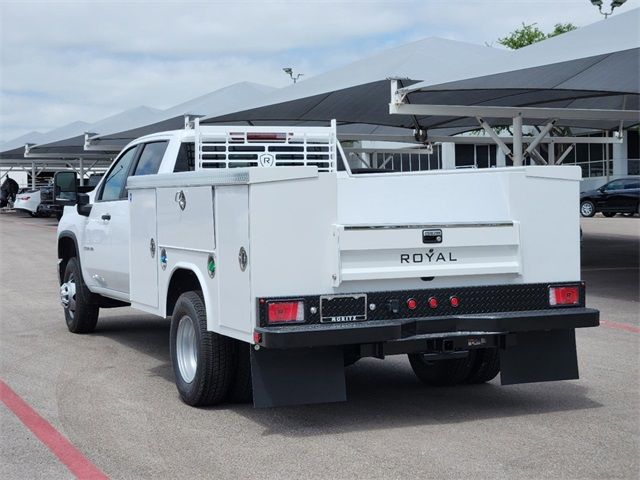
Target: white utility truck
[{"x": 279, "y": 264}]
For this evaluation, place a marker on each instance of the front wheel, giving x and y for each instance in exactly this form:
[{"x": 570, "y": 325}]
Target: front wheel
[
  {"x": 80, "y": 315},
  {"x": 202, "y": 361},
  {"x": 587, "y": 208}
]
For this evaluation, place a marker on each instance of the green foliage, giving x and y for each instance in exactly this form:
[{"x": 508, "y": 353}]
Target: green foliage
[{"x": 528, "y": 34}]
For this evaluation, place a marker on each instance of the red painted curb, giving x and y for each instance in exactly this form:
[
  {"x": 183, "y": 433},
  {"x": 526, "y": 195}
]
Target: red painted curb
[
  {"x": 620, "y": 326},
  {"x": 69, "y": 455}
]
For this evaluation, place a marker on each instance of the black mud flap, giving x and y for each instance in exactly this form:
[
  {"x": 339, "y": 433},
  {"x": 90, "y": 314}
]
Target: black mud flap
[
  {"x": 297, "y": 376},
  {"x": 540, "y": 357}
]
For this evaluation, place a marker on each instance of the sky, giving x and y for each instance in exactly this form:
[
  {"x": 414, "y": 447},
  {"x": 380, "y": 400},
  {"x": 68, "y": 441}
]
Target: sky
[{"x": 63, "y": 61}]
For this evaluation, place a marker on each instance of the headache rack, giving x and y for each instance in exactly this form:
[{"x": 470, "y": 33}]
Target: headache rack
[{"x": 243, "y": 146}]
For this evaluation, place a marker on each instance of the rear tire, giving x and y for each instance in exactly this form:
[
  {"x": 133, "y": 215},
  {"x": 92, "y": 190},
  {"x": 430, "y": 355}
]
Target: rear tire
[
  {"x": 587, "y": 208},
  {"x": 609, "y": 214},
  {"x": 442, "y": 373},
  {"x": 202, "y": 361},
  {"x": 80, "y": 315},
  {"x": 486, "y": 366}
]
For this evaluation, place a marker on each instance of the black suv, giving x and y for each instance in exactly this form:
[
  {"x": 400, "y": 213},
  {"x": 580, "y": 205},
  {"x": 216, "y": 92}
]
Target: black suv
[{"x": 617, "y": 196}]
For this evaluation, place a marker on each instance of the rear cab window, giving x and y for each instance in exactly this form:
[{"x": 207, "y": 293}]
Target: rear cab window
[{"x": 150, "y": 158}]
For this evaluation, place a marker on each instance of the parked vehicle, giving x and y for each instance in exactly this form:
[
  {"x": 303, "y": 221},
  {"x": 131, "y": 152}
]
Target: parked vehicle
[
  {"x": 28, "y": 201},
  {"x": 8, "y": 191},
  {"x": 618, "y": 196},
  {"x": 279, "y": 266}
]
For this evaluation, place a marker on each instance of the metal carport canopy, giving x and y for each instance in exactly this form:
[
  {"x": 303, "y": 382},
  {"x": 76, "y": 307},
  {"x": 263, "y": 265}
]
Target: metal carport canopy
[
  {"x": 358, "y": 93},
  {"x": 585, "y": 78},
  {"x": 593, "y": 68}
]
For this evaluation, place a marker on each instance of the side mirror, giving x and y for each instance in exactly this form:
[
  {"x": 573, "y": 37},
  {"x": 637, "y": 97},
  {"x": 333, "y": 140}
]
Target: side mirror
[
  {"x": 83, "y": 207},
  {"x": 601, "y": 189},
  {"x": 65, "y": 188}
]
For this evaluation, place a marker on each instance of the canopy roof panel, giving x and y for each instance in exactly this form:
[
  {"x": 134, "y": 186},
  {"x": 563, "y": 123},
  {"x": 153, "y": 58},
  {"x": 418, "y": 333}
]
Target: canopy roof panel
[{"x": 595, "y": 67}]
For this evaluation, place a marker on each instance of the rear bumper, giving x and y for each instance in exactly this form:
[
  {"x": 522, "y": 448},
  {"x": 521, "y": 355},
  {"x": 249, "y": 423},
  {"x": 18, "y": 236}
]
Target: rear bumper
[{"x": 378, "y": 331}]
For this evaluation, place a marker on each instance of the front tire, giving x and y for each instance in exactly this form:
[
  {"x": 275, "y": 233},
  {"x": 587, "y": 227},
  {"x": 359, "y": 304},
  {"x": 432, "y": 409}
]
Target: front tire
[
  {"x": 442, "y": 373},
  {"x": 80, "y": 315},
  {"x": 202, "y": 361},
  {"x": 587, "y": 208}
]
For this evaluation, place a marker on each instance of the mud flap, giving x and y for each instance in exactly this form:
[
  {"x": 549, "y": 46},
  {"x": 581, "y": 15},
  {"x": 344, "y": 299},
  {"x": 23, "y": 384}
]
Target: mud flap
[
  {"x": 297, "y": 376},
  {"x": 540, "y": 357}
]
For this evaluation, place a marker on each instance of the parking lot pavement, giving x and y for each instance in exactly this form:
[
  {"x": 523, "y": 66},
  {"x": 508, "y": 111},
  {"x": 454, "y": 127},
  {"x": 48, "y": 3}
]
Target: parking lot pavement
[{"x": 111, "y": 394}]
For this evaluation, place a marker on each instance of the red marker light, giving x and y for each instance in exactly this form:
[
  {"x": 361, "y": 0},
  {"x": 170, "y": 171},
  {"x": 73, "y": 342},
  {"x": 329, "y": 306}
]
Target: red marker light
[
  {"x": 564, "y": 295},
  {"x": 257, "y": 337},
  {"x": 433, "y": 302},
  {"x": 284, "y": 312},
  {"x": 454, "y": 302},
  {"x": 412, "y": 304}
]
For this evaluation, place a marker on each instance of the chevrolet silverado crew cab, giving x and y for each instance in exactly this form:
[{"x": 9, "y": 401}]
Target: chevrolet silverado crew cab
[{"x": 279, "y": 265}]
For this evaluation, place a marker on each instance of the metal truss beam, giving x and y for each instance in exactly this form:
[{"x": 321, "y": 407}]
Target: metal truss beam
[{"x": 513, "y": 112}]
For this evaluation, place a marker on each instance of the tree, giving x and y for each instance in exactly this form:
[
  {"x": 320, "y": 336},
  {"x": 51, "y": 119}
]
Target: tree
[{"x": 528, "y": 34}]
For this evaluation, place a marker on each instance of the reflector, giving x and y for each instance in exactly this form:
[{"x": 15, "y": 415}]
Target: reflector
[
  {"x": 285, "y": 312},
  {"x": 564, "y": 295}
]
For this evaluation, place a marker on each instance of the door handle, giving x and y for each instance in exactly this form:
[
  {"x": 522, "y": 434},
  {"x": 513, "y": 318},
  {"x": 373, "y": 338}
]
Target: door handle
[{"x": 106, "y": 217}]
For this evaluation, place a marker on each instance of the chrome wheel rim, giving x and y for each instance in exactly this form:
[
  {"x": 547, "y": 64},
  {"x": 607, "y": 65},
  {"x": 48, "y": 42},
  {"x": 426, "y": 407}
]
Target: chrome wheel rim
[
  {"x": 586, "y": 208},
  {"x": 68, "y": 295},
  {"x": 187, "y": 349}
]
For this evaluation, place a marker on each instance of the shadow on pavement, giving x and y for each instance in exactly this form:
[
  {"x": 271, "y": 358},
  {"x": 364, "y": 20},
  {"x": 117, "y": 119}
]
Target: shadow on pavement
[
  {"x": 387, "y": 395},
  {"x": 381, "y": 394},
  {"x": 145, "y": 334}
]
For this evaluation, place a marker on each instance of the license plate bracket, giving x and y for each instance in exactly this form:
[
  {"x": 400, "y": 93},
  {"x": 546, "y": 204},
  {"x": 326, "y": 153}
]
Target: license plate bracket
[{"x": 343, "y": 308}]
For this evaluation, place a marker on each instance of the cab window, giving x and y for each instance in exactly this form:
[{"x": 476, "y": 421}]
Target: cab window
[
  {"x": 185, "y": 162},
  {"x": 150, "y": 158},
  {"x": 113, "y": 187}
]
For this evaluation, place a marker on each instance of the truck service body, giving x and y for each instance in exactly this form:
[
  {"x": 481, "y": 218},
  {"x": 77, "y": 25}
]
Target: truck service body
[{"x": 279, "y": 265}]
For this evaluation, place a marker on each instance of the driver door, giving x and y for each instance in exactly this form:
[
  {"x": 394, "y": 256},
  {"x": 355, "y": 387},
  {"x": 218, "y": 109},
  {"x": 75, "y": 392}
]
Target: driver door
[{"x": 106, "y": 265}]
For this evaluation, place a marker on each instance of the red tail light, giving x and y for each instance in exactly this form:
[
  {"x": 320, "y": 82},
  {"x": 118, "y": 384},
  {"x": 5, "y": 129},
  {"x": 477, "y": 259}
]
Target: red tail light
[
  {"x": 433, "y": 302},
  {"x": 564, "y": 295},
  {"x": 284, "y": 312},
  {"x": 454, "y": 301},
  {"x": 25, "y": 198},
  {"x": 412, "y": 304}
]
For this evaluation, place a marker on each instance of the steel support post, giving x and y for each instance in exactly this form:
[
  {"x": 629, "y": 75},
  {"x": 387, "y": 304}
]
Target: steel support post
[
  {"x": 33, "y": 174},
  {"x": 517, "y": 141},
  {"x": 81, "y": 165},
  {"x": 564, "y": 155}
]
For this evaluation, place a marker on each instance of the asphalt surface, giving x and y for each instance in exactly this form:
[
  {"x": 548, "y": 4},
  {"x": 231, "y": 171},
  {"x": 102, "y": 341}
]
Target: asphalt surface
[{"x": 111, "y": 394}]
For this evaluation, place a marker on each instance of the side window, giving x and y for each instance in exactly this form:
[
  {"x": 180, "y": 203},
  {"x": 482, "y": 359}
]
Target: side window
[
  {"x": 617, "y": 185},
  {"x": 116, "y": 178},
  {"x": 186, "y": 160},
  {"x": 150, "y": 158},
  {"x": 632, "y": 185}
]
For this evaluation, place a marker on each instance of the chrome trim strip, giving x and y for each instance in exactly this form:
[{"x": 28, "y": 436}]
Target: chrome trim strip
[{"x": 441, "y": 225}]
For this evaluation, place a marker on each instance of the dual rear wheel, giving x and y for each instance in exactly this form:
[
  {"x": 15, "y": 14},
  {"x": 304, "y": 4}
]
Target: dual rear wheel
[
  {"x": 209, "y": 368},
  {"x": 479, "y": 366}
]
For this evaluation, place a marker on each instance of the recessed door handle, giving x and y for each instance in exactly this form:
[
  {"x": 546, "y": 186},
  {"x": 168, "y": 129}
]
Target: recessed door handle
[{"x": 106, "y": 216}]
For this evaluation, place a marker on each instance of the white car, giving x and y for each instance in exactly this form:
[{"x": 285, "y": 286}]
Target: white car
[{"x": 28, "y": 201}]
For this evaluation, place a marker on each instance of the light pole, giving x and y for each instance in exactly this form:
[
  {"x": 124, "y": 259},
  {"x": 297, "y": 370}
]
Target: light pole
[
  {"x": 289, "y": 71},
  {"x": 614, "y": 4}
]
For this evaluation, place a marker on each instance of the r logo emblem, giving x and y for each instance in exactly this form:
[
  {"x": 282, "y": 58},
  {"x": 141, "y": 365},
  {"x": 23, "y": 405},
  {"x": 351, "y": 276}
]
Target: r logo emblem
[{"x": 266, "y": 160}]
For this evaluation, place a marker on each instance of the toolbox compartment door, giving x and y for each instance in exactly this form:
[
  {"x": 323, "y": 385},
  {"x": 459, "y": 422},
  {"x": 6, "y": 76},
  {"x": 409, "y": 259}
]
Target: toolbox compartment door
[
  {"x": 370, "y": 252},
  {"x": 143, "y": 249}
]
